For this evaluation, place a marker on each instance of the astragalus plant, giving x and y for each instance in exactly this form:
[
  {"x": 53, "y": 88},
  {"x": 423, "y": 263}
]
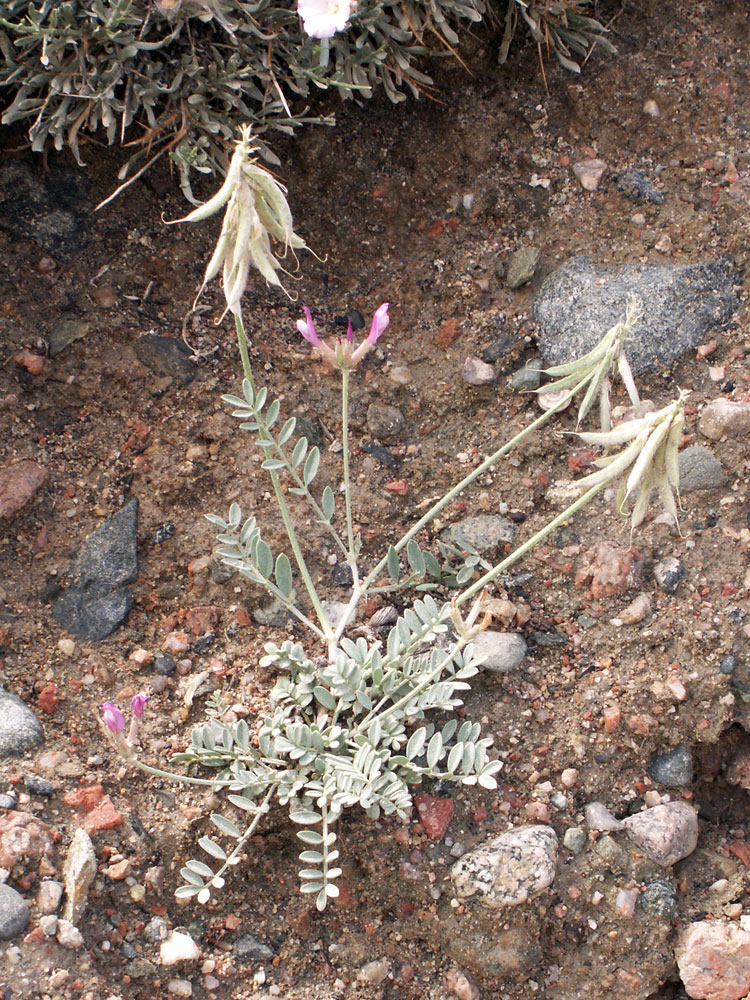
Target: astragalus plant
[{"x": 360, "y": 722}]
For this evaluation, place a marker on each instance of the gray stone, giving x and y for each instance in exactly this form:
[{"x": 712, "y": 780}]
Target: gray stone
[
  {"x": 575, "y": 839},
  {"x": 250, "y": 949},
  {"x": 79, "y": 872},
  {"x": 384, "y": 421},
  {"x": 65, "y": 332},
  {"x": 478, "y": 372},
  {"x": 659, "y": 897},
  {"x": 98, "y": 600},
  {"x": 7, "y": 801},
  {"x": 725, "y": 418},
  {"x": 156, "y": 930},
  {"x": 636, "y": 186},
  {"x": 681, "y": 305},
  {"x": 501, "y": 651},
  {"x": 699, "y": 470},
  {"x": 674, "y": 768},
  {"x": 528, "y": 378},
  {"x": 598, "y": 817},
  {"x": 39, "y": 786},
  {"x": 166, "y": 357},
  {"x": 669, "y": 573},
  {"x": 50, "y": 207},
  {"x": 484, "y": 533},
  {"x": 14, "y": 913},
  {"x": 510, "y": 869},
  {"x": 20, "y": 730},
  {"x": 666, "y": 833},
  {"x": 521, "y": 266}
]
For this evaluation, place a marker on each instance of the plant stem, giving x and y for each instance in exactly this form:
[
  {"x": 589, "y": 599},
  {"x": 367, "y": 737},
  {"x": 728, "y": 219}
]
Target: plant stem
[
  {"x": 352, "y": 556},
  {"x": 530, "y": 543},
  {"x": 280, "y": 498},
  {"x": 467, "y": 480}
]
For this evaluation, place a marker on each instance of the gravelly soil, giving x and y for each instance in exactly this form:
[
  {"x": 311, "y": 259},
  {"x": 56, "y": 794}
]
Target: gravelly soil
[{"x": 419, "y": 206}]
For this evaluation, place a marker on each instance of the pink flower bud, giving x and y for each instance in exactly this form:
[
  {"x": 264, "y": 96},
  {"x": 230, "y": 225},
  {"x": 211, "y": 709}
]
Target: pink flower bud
[
  {"x": 138, "y": 704},
  {"x": 380, "y": 321},
  {"x": 307, "y": 328},
  {"x": 113, "y": 718}
]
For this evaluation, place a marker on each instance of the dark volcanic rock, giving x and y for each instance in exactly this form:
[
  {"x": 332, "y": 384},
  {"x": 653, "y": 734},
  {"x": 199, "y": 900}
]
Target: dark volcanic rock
[
  {"x": 680, "y": 305},
  {"x": 98, "y": 600}
]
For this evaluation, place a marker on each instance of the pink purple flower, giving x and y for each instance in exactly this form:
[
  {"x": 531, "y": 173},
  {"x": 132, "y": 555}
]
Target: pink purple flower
[
  {"x": 113, "y": 718},
  {"x": 344, "y": 355},
  {"x": 307, "y": 328},
  {"x": 138, "y": 704}
]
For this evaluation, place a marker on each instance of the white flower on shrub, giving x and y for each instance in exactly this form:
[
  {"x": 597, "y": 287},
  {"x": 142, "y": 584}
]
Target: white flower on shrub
[{"x": 323, "y": 18}]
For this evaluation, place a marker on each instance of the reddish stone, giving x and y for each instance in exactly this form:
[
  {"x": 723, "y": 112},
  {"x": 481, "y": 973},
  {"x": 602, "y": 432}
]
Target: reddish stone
[
  {"x": 232, "y": 922},
  {"x": 242, "y": 618},
  {"x": 203, "y": 619},
  {"x": 448, "y": 332},
  {"x": 103, "y": 817},
  {"x": 436, "y": 228},
  {"x": 611, "y": 716},
  {"x": 399, "y": 486},
  {"x": 741, "y": 850},
  {"x": 611, "y": 569},
  {"x": 84, "y": 799},
  {"x": 33, "y": 363},
  {"x": 18, "y": 484},
  {"x": 25, "y": 841},
  {"x": 641, "y": 724},
  {"x": 713, "y": 957},
  {"x": 581, "y": 458},
  {"x": 48, "y": 699},
  {"x": 434, "y": 814}
]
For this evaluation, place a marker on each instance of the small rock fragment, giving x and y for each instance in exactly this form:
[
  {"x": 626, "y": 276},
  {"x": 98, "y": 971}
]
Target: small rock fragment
[
  {"x": 713, "y": 957},
  {"x": 501, "y": 651},
  {"x": 180, "y": 987},
  {"x": 384, "y": 422},
  {"x": 521, "y": 266},
  {"x": 699, "y": 469},
  {"x": 49, "y": 896},
  {"x": 14, "y": 913},
  {"x": 589, "y": 173},
  {"x": 68, "y": 935},
  {"x": 575, "y": 839},
  {"x": 625, "y": 902},
  {"x": 79, "y": 872},
  {"x": 510, "y": 869},
  {"x": 610, "y": 570},
  {"x": 651, "y": 108},
  {"x": 19, "y": 483},
  {"x": 478, "y": 372},
  {"x": 635, "y": 612},
  {"x": 250, "y": 949},
  {"x": 434, "y": 814},
  {"x": 666, "y": 833},
  {"x": 178, "y": 947},
  {"x": 674, "y": 768},
  {"x": 668, "y": 573},
  {"x": 598, "y": 817},
  {"x": 26, "y": 844},
  {"x": 725, "y": 418},
  {"x": 462, "y": 987},
  {"x": 374, "y": 972},
  {"x": 20, "y": 730}
]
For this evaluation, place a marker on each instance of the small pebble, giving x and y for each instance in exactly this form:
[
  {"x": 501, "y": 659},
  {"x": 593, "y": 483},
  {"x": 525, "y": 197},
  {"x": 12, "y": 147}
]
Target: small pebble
[
  {"x": 68, "y": 935},
  {"x": 666, "y": 833},
  {"x": 67, "y": 646},
  {"x": 589, "y": 173},
  {"x": 674, "y": 768},
  {"x": 668, "y": 573},
  {"x": 639, "y": 219},
  {"x": 178, "y": 947},
  {"x": 48, "y": 924},
  {"x": 598, "y": 817},
  {"x": 39, "y": 786},
  {"x": 375, "y": 972},
  {"x": 569, "y": 777},
  {"x": 180, "y": 987},
  {"x": 651, "y": 108},
  {"x": 478, "y": 372},
  {"x": 14, "y": 913},
  {"x": 625, "y": 902},
  {"x": 49, "y": 896}
]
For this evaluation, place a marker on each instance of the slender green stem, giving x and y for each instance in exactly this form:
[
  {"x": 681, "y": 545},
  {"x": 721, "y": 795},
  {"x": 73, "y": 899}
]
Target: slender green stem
[
  {"x": 184, "y": 778},
  {"x": 521, "y": 551},
  {"x": 467, "y": 480},
  {"x": 352, "y": 557},
  {"x": 280, "y": 498}
]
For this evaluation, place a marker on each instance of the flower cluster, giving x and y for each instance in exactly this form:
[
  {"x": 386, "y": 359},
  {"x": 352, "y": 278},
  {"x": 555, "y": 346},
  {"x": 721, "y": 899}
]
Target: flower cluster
[
  {"x": 344, "y": 355},
  {"x": 113, "y": 723}
]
